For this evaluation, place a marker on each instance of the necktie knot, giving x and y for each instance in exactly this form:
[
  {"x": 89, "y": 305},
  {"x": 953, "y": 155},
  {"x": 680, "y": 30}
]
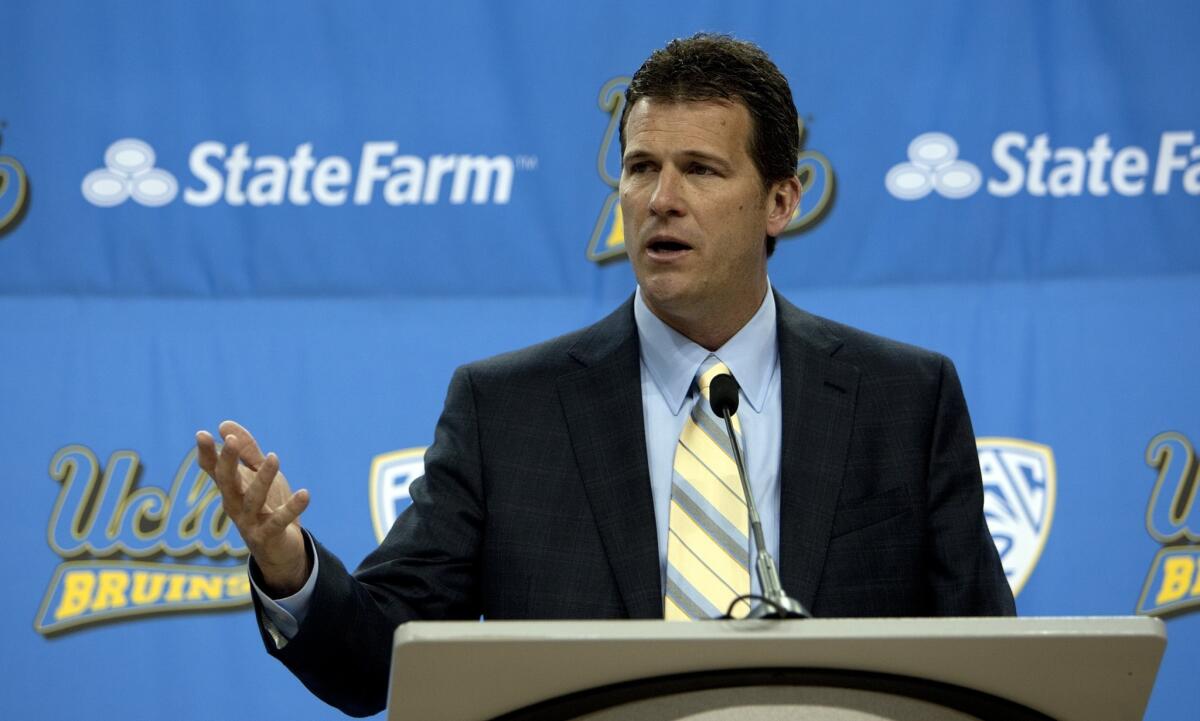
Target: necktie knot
[{"x": 709, "y": 369}]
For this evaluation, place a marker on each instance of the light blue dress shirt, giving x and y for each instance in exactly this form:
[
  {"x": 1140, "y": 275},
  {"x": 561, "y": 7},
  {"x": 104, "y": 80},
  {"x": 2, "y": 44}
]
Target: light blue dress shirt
[{"x": 669, "y": 365}]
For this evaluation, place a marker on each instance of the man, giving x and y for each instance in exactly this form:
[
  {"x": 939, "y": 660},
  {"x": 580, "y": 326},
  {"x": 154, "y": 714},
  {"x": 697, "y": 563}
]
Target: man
[{"x": 563, "y": 481}]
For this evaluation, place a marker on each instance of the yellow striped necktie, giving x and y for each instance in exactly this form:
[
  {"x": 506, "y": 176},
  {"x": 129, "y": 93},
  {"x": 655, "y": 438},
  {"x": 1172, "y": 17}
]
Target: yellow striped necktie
[{"x": 708, "y": 546}]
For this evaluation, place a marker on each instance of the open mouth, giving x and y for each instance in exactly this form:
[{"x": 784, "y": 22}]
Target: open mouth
[{"x": 667, "y": 246}]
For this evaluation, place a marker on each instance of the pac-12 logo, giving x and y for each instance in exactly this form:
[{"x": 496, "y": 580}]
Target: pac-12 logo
[
  {"x": 130, "y": 550},
  {"x": 608, "y": 235},
  {"x": 1173, "y": 519},
  {"x": 391, "y": 475},
  {"x": 1019, "y": 486}
]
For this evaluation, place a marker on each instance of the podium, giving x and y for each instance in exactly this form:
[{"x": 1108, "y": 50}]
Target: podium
[{"x": 955, "y": 669}]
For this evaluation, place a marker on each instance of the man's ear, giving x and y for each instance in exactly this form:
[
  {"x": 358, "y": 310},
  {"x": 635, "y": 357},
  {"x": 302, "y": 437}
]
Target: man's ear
[{"x": 782, "y": 199}]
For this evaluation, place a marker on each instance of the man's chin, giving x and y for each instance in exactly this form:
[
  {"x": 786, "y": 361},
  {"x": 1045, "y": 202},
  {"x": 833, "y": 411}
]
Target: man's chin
[{"x": 668, "y": 297}]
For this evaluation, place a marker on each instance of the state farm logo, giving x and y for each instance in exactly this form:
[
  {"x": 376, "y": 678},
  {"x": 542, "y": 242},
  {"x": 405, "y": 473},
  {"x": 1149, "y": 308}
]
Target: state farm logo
[
  {"x": 1037, "y": 168},
  {"x": 129, "y": 172},
  {"x": 933, "y": 164},
  {"x": 234, "y": 176}
]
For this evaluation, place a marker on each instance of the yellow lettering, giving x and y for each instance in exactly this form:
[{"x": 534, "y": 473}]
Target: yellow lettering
[
  {"x": 204, "y": 588},
  {"x": 1196, "y": 589},
  {"x": 77, "y": 589},
  {"x": 175, "y": 587},
  {"x": 1177, "y": 577},
  {"x": 236, "y": 585},
  {"x": 110, "y": 591},
  {"x": 147, "y": 587}
]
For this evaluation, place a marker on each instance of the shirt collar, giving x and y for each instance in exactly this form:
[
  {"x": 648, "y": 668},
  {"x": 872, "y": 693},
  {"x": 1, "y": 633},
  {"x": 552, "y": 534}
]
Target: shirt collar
[{"x": 672, "y": 359}]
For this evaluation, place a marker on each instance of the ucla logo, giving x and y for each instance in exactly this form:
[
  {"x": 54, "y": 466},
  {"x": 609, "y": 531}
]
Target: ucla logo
[
  {"x": 1019, "y": 484},
  {"x": 1173, "y": 519},
  {"x": 14, "y": 191},
  {"x": 391, "y": 475},
  {"x": 608, "y": 235},
  {"x": 131, "y": 551}
]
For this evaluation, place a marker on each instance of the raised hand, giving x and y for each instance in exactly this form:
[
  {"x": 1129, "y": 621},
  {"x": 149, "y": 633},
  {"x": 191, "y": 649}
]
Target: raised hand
[{"x": 259, "y": 502}]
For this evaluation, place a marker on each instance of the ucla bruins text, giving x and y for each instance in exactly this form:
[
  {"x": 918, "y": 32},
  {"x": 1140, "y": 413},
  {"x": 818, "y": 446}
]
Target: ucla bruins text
[
  {"x": 1173, "y": 519},
  {"x": 131, "y": 551}
]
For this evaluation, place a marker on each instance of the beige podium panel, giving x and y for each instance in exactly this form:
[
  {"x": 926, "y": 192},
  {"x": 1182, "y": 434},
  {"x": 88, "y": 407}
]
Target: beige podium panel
[
  {"x": 779, "y": 703},
  {"x": 957, "y": 669}
]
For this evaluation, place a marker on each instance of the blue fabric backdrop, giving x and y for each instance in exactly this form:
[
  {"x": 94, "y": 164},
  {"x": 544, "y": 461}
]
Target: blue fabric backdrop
[{"x": 304, "y": 216}]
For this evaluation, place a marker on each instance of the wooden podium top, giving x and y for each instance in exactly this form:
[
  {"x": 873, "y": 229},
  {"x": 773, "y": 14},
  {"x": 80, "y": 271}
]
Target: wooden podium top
[{"x": 1085, "y": 669}]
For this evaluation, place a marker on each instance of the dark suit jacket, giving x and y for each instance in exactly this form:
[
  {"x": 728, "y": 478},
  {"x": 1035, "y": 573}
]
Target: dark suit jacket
[{"x": 536, "y": 500}]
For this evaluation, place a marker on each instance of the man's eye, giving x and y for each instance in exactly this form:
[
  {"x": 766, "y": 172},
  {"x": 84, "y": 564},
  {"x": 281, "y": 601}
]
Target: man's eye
[
  {"x": 698, "y": 169},
  {"x": 639, "y": 167}
]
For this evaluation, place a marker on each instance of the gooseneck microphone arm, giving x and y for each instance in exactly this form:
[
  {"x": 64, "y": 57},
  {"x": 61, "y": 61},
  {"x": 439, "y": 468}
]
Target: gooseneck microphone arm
[{"x": 723, "y": 399}]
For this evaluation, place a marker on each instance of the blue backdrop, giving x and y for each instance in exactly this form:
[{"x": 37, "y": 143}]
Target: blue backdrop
[{"x": 304, "y": 216}]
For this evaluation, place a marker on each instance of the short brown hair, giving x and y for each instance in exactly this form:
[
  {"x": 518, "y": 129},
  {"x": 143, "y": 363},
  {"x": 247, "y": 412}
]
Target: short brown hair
[{"x": 711, "y": 67}]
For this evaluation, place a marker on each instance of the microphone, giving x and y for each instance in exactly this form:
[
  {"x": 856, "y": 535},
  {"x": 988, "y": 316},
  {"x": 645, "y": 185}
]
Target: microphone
[{"x": 723, "y": 399}]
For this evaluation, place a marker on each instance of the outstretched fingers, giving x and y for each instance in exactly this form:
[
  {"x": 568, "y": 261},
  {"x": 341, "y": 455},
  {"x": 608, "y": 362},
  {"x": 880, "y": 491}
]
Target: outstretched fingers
[
  {"x": 227, "y": 467},
  {"x": 221, "y": 466},
  {"x": 206, "y": 452},
  {"x": 246, "y": 487},
  {"x": 256, "y": 493},
  {"x": 248, "y": 448},
  {"x": 289, "y": 512}
]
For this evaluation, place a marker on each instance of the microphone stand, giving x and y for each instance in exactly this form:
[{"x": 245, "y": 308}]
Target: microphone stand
[{"x": 778, "y": 604}]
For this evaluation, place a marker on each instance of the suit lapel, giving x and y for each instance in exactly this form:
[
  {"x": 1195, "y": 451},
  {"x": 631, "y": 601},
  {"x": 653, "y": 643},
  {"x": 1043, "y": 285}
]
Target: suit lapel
[
  {"x": 602, "y": 402},
  {"x": 818, "y": 395}
]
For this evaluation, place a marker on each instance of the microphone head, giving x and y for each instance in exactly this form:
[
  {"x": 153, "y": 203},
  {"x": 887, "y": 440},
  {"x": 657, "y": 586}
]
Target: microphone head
[{"x": 723, "y": 395}]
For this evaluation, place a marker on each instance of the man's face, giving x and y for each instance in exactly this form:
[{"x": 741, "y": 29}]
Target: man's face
[{"x": 695, "y": 210}]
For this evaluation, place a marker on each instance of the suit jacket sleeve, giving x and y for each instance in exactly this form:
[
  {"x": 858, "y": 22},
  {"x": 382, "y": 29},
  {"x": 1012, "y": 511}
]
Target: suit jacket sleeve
[
  {"x": 424, "y": 569},
  {"x": 965, "y": 574}
]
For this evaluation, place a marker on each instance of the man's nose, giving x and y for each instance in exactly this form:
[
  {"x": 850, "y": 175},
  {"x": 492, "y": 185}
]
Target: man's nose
[{"x": 667, "y": 198}]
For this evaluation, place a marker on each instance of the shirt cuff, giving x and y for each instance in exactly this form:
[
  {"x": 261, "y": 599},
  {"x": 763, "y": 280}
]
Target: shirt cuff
[{"x": 283, "y": 616}]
